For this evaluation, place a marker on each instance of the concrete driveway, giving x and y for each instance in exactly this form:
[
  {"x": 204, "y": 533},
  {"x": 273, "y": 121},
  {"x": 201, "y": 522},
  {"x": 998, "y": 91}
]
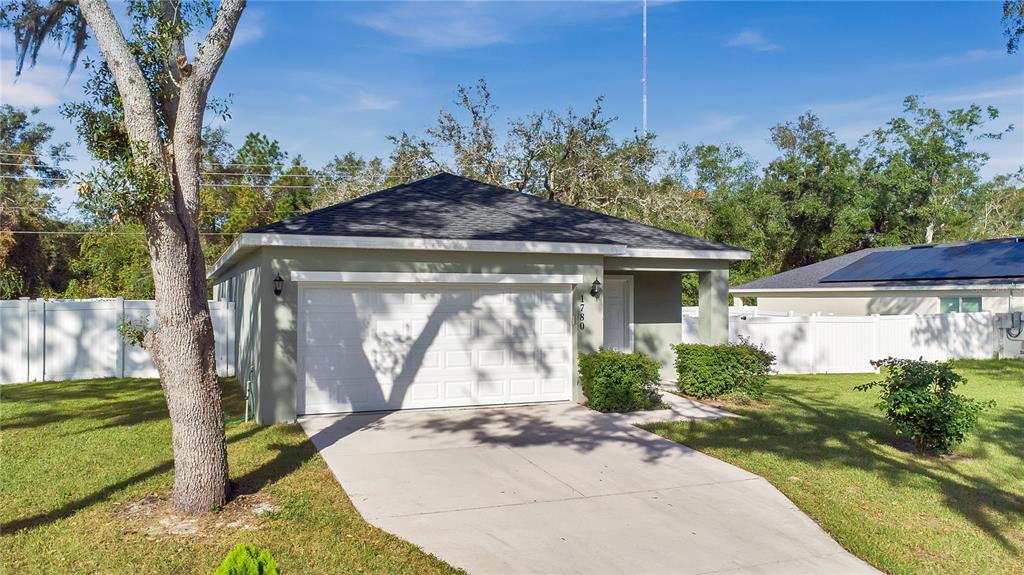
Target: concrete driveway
[{"x": 557, "y": 488}]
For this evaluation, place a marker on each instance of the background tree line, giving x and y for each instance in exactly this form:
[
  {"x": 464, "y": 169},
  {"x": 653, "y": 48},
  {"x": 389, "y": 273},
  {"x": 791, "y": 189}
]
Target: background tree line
[{"x": 915, "y": 179}]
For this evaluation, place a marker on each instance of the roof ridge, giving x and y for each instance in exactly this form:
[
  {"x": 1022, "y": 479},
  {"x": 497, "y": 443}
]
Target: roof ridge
[
  {"x": 257, "y": 229},
  {"x": 541, "y": 199}
]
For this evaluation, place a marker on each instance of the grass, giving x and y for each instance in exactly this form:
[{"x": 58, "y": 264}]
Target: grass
[
  {"x": 831, "y": 452},
  {"x": 76, "y": 454}
]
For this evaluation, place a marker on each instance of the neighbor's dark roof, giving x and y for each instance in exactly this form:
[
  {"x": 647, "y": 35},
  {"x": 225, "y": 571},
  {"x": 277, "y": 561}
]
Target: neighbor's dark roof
[
  {"x": 446, "y": 206},
  {"x": 849, "y": 265}
]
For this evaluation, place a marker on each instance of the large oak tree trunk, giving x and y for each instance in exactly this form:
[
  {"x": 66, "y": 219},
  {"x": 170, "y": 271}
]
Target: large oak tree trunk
[
  {"x": 182, "y": 347},
  {"x": 182, "y": 343}
]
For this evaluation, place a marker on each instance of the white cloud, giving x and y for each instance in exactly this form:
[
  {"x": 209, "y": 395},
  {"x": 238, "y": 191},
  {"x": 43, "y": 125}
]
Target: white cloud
[
  {"x": 41, "y": 86},
  {"x": 753, "y": 40},
  {"x": 453, "y": 25},
  {"x": 719, "y": 123},
  {"x": 438, "y": 24},
  {"x": 250, "y": 28},
  {"x": 970, "y": 57},
  {"x": 368, "y": 102},
  {"x": 982, "y": 97}
]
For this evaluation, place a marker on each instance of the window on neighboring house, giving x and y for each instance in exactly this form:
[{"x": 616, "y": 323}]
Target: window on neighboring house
[
  {"x": 970, "y": 304},
  {"x": 959, "y": 304}
]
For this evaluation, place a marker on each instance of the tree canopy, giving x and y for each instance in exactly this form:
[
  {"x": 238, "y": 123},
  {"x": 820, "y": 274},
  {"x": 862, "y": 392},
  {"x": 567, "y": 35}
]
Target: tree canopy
[{"x": 916, "y": 178}]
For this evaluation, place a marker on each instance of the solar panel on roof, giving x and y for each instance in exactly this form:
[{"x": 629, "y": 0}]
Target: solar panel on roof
[{"x": 987, "y": 259}]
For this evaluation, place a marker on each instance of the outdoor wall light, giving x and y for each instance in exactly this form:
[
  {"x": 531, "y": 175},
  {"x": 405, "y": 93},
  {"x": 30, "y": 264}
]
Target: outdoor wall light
[
  {"x": 596, "y": 289},
  {"x": 278, "y": 284}
]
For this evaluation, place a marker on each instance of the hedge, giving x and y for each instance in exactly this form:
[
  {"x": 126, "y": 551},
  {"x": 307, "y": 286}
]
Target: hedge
[
  {"x": 712, "y": 371},
  {"x": 617, "y": 381}
]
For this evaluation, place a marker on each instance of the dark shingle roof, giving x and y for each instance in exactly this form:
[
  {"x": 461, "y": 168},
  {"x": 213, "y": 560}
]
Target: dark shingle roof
[
  {"x": 811, "y": 276},
  {"x": 446, "y": 206}
]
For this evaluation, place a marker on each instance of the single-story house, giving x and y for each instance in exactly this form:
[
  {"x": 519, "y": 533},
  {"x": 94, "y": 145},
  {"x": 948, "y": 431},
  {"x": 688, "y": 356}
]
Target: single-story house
[
  {"x": 924, "y": 279},
  {"x": 450, "y": 292}
]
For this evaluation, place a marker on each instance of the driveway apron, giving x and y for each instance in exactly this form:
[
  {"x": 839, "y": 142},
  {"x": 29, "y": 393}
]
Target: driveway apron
[{"x": 558, "y": 488}]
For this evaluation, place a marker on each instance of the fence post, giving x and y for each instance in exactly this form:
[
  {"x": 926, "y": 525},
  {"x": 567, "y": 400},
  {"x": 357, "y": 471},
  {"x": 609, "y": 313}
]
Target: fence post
[
  {"x": 119, "y": 311},
  {"x": 26, "y": 310},
  {"x": 42, "y": 338},
  {"x": 812, "y": 340},
  {"x": 876, "y": 338}
]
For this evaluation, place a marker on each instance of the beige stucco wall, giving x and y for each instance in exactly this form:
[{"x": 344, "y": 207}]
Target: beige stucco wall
[{"x": 868, "y": 305}]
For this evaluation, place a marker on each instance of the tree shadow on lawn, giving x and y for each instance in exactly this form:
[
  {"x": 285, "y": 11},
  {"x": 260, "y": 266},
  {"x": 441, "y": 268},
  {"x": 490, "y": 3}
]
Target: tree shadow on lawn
[
  {"x": 289, "y": 458},
  {"x": 101, "y": 495},
  {"x": 1002, "y": 370},
  {"x": 111, "y": 402},
  {"x": 820, "y": 432},
  {"x": 140, "y": 406},
  {"x": 114, "y": 402}
]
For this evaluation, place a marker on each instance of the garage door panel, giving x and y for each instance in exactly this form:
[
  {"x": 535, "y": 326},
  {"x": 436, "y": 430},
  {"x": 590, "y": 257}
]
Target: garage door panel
[
  {"x": 522, "y": 388},
  {"x": 458, "y": 390},
  {"x": 368, "y": 348},
  {"x": 554, "y": 326},
  {"x": 492, "y": 358},
  {"x": 556, "y": 355},
  {"x": 458, "y": 358},
  {"x": 554, "y": 386},
  {"x": 342, "y": 299},
  {"x": 425, "y": 392},
  {"x": 491, "y": 388}
]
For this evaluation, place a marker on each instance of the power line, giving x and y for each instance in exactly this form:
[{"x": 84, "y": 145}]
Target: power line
[
  {"x": 201, "y": 211},
  {"x": 211, "y": 163},
  {"x": 82, "y": 233},
  {"x": 27, "y": 177},
  {"x": 317, "y": 183},
  {"x": 285, "y": 165}
]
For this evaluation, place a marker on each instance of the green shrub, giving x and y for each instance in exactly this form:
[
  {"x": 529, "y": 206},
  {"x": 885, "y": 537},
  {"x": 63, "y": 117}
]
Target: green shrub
[
  {"x": 713, "y": 371},
  {"x": 616, "y": 381},
  {"x": 245, "y": 559},
  {"x": 917, "y": 397}
]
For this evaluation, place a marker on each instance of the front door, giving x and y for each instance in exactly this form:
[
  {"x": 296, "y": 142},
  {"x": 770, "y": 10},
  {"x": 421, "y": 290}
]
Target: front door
[{"x": 618, "y": 313}]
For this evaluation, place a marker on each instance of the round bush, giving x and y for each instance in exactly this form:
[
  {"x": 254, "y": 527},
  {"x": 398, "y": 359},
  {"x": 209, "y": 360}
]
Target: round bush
[
  {"x": 917, "y": 397},
  {"x": 712, "y": 371},
  {"x": 616, "y": 381}
]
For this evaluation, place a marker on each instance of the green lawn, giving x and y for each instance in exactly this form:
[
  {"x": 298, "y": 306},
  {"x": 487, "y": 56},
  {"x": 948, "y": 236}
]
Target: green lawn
[
  {"x": 827, "y": 448},
  {"x": 74, "y": 456}
]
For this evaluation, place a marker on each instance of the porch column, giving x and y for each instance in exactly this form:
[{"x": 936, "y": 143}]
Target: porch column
[{"x": 713, "y": 306}]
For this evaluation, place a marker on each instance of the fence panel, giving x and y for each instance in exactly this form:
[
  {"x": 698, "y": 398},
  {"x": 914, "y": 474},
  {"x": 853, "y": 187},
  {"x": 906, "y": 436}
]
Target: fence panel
[
  {"x": 79, "y": 339},
  {"x": 848, "y": 344},
  {"x": 14, "y": 358}
]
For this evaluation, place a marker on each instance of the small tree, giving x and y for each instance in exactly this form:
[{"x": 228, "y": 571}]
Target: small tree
[{"x": 917, "y": 397}]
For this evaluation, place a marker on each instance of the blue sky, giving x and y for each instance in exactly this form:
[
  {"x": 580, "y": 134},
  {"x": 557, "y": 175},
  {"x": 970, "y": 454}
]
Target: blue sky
[{"x": 325, "y": 78}]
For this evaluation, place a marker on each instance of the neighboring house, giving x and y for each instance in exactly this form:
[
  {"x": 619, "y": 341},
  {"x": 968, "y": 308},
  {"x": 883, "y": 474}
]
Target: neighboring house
[
  {"x": 976, "y": 276},
  {"x": 451, "y": 292}
]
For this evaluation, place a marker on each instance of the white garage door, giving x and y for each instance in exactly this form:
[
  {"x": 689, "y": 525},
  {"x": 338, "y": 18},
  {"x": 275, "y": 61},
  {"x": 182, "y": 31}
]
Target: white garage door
[{"x": 395, "y": 346}]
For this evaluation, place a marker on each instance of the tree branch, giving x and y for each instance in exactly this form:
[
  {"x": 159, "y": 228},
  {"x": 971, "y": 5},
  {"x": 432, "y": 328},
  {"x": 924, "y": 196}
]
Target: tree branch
[
  {"x": 211, "y": 52},
  {"x": 139, "y": 115},
  {"x": 171, "y": 83},
  {"x": 195, "y": 87}
]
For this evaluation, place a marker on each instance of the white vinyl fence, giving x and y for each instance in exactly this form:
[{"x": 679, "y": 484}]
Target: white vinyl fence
[
  {"x": 79, "y": 339},
  {"x": 848, "y": 344}
]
